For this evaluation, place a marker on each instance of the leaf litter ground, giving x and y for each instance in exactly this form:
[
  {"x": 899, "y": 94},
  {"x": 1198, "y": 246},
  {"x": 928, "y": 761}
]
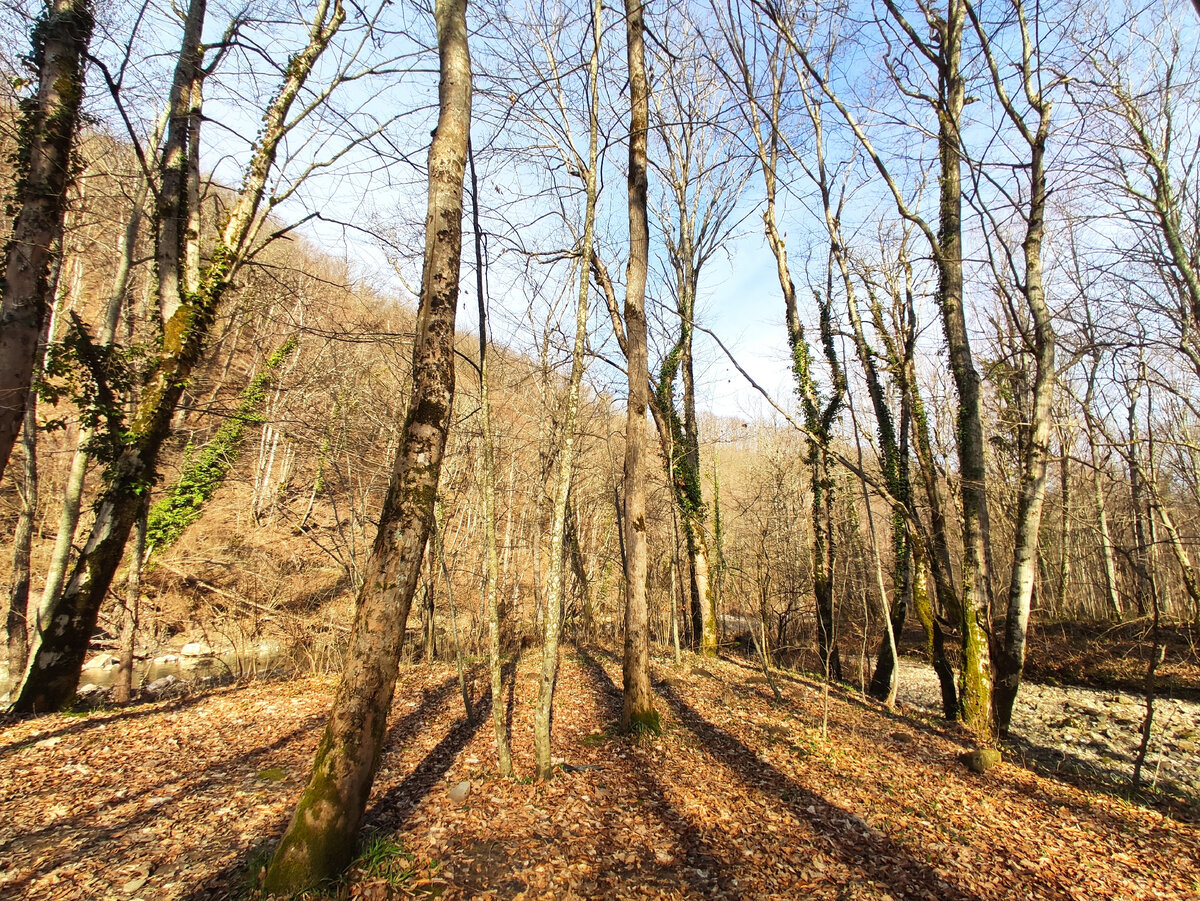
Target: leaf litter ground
[{"x": 739, "y": 797}]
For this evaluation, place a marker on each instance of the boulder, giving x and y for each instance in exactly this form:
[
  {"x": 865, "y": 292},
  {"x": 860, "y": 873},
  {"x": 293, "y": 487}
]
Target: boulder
[
  {"x": 166, "y": 659},
  {"x": 102, "y": 661},
  {"x": 980, "y": 761},
  {"x": 162, "y": 686},
  {"x": 196, "y": 649}
]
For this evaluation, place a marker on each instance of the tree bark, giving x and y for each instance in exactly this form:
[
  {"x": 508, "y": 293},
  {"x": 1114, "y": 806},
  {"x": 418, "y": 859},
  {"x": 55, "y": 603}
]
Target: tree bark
[
  {"x": 638, "y": 707},
  {"x": 48, "y": 125},
  {"x": 18, "y": 595},
  {"x": 320, "y": 839}
]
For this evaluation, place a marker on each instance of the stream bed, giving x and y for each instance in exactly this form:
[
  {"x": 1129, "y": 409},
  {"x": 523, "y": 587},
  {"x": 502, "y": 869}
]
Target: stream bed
[{"x": 1088, "y": 730}]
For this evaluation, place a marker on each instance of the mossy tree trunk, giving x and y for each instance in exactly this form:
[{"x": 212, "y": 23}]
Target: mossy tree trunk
[
  {"x": 57, "y": 655},
  {"x": 320, "y": 839},
  {"x": 638, "y": 707},
  {"x": 48, "y": 124},
  {"x": 976, "y": 672}
]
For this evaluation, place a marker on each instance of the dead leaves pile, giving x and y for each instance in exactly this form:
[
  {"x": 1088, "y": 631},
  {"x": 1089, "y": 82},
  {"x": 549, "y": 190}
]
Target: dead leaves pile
[{"x": 738, "y": 798}]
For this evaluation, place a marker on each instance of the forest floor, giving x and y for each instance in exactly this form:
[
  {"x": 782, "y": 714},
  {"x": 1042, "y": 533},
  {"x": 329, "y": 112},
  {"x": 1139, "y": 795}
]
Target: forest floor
[{"x": 822, "y": 795}]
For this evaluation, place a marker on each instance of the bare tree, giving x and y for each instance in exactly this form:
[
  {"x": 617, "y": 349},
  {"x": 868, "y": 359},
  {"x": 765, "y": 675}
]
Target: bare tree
[
  {"x": 319, "y": 841},
  {"x": 638, "y": 708}
]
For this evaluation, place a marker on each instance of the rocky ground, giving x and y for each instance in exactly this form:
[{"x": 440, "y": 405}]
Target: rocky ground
[{"x": 1088, "y": 731}]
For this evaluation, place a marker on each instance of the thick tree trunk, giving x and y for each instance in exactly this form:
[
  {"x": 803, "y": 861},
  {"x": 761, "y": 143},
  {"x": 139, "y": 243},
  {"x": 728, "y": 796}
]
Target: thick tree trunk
[
  {"x": 638, "y": 707},
  {"x": 48, "y": 125},
  {"x": 320, "y": 839}
]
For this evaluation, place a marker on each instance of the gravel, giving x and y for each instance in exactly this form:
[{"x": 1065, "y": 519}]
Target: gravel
[{"x": 1088, "y": 730}]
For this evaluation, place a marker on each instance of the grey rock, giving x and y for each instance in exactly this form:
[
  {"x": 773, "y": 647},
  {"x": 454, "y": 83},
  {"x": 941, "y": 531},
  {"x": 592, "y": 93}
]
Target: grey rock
[{"x": 458, "y": 794}]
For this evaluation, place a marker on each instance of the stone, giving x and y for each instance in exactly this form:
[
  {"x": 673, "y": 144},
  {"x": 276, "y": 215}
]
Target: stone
[
  {"x": 162, "y": 686},
  {"x": 196, "y": 649},
  {"x": 458, "y": 794},
  {"x": 980, "y": 761},
  {"x": 102, "y": 661},
  {"x": 88, "y": 690},
  {"x": 167, "y": 659}
]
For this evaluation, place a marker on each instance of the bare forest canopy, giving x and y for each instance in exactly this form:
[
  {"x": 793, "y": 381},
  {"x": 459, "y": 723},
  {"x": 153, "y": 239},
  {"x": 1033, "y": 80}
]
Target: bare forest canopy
[{"x": 909, "y": 292}]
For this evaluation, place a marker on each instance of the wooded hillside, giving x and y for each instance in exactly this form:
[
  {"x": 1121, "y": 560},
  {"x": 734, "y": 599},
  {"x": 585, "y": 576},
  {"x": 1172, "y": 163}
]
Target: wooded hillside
[{"x": 768, "y": 352}]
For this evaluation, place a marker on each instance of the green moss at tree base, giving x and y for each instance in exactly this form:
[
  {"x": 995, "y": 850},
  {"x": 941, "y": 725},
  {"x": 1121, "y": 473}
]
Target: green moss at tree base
[{"x": 648, "y": 722}]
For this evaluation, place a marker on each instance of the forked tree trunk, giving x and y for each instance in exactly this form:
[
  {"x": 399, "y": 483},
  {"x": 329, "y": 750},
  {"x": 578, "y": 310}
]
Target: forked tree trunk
[
  {"x": 45, "y": 140},
  {"x": 638, "y": 708},
  {"x": 320, "y": 839}
]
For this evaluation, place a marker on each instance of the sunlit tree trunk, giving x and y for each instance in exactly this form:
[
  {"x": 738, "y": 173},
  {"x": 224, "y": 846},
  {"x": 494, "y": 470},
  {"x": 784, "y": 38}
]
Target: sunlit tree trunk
[
  {"x": 319, "y": 840},
  {"x": 46, "y": 135},
  {"x": 638, "y": 707}
]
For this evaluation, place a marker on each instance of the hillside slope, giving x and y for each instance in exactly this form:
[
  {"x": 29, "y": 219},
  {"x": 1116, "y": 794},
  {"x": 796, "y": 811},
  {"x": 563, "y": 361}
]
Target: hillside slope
[{"x": 739, "y": 797}]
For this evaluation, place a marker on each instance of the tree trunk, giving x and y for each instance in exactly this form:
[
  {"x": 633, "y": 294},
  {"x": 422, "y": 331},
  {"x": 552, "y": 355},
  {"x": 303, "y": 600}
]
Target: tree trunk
[
  {"x": 46, "y": 137},
  {"x": 638, "y": 708},
  {"x": 319, "y": 841},
  {"x": 18, "y": 595},
  {"x": 487, "y": 486},
  {"x": 977, "y": 668},
  {"x": 123, "y": 687}
]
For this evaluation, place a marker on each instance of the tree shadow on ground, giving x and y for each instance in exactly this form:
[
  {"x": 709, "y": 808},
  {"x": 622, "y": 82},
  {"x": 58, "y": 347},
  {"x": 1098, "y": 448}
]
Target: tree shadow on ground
[
  {"x": 93, "y": 840},
  {"x": 849, "y": 839},
  {"x": 391, "y": 810},
  {"x": 231, "y": 881},
  {"x": 95, "y": 719},
  {"x": 1062, "y": 766}
]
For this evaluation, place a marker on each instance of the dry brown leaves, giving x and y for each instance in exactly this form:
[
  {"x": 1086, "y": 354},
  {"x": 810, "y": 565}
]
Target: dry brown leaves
[{"x": 739, "y": 797}]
